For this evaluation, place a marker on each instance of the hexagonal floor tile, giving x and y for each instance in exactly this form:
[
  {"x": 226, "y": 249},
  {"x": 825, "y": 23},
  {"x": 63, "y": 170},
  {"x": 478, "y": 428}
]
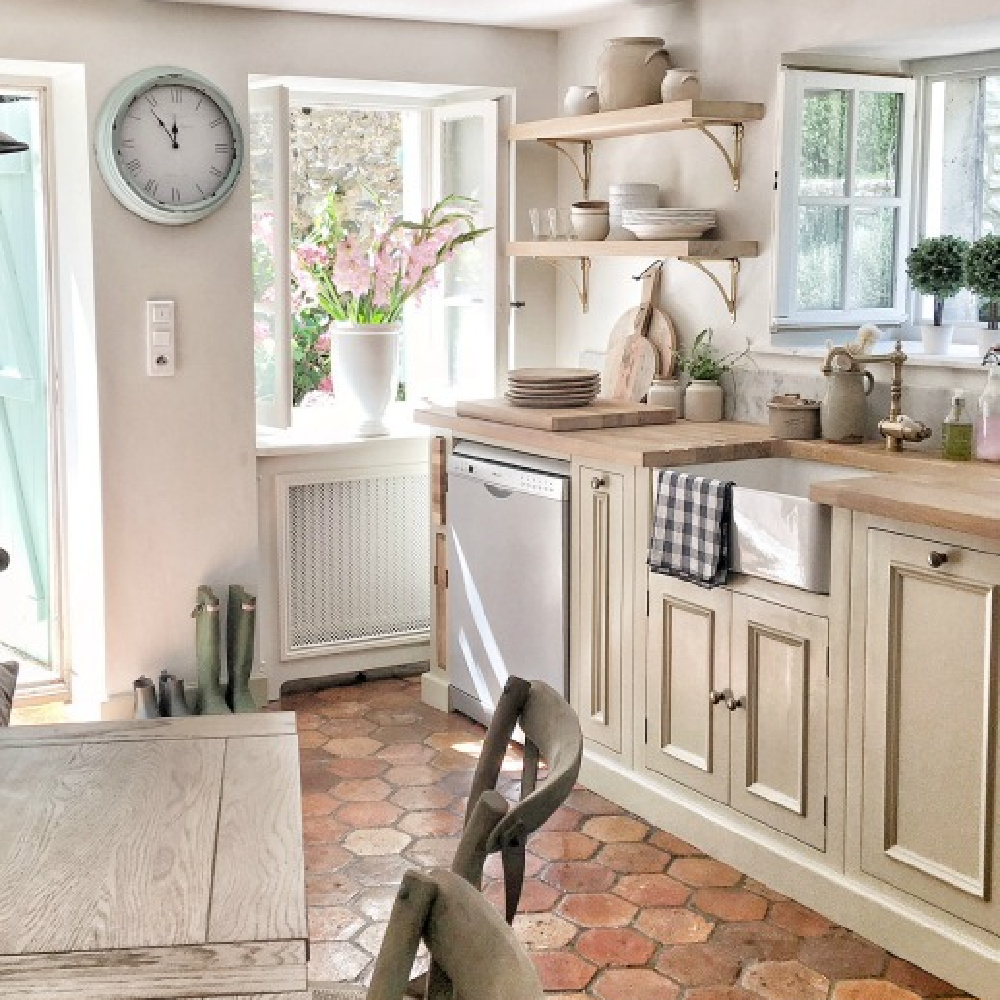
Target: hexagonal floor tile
[
  {"x": 379, "y": 841},
  {"x": 615, "y": 829},
  {"x": 785, "y": 981},
  {"x": 597, "y": 909},
  {"x": 630, "y": 984},
  {"x": 618, "y": 946},
  {"x": 674, "y": 925}
]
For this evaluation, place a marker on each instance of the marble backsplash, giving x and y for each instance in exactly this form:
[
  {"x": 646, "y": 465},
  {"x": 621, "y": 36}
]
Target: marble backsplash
[{"x": 748, "y": 391}]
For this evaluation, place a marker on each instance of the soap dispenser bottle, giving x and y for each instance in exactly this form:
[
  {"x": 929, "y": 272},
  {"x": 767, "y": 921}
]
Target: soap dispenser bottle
[
  {"x": 986, "y": 436},
  {"x": 956, "y": 434}
]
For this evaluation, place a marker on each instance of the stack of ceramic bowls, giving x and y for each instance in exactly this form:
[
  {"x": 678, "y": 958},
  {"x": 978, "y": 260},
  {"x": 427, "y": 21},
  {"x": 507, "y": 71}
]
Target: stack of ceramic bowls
[
  {"x": 589, "y": 220},
  {"x": 629, "y": 196},
  {"x": 668, "y": 223},
  {"x": 552, "y": 388}
]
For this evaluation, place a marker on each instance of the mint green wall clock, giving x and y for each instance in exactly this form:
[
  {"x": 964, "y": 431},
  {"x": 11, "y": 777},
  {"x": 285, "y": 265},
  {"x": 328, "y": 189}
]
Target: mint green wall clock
[{"x": 168, "y": 145}]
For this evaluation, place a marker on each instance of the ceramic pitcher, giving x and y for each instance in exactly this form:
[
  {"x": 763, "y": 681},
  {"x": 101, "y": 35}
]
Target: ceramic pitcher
[
  {"x": 843, "y": 412},
  {"x": 630, "y": 71},
  {"x": 580, "y": 101}
]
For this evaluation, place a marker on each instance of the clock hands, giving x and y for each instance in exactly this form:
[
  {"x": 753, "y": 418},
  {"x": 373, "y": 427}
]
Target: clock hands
[{"x": 172, "y": 136}]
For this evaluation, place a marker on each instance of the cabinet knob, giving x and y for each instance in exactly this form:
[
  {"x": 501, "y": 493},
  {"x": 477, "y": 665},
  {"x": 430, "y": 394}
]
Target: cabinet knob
[
  {"x": 598, "y": 483},
  {"x": 936, "y": 559},
  {"x": 733, "y": 703},
  {"x": 717, "y": 697}
]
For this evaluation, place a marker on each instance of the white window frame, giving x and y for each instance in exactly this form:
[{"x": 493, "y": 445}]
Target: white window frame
[
  {"x": 926, "y": 74},
  {"x": 786, "y": 317}
]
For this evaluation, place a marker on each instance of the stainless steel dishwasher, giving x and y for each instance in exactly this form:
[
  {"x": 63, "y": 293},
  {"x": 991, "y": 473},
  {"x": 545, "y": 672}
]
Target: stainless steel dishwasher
[{"x": 508, "y": 573}]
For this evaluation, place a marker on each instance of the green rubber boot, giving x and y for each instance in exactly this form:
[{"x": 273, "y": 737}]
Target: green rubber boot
[
  {"x": 208, "y": 638},
  {"x": 240, "y": 617}
]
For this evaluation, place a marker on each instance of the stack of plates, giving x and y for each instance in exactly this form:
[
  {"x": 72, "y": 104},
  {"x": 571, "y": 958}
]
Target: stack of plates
[
  {"x": 668, "y": 223},
  {"x": 551, "y": 388}
]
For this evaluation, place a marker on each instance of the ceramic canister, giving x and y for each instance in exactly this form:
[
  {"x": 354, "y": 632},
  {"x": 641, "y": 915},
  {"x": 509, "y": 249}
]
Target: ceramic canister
[
  {"x": 703, "y": 401},
  {"x": 630, "y": 71}
]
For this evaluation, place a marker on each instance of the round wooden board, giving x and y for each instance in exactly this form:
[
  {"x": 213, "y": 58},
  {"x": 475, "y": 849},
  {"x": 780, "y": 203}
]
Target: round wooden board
[
  {"x": 662, "y": 336},
  {"x": 630, "y": 369}
]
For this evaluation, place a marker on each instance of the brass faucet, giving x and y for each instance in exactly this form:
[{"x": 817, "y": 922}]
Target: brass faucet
[{"x": 896, "y": 428}]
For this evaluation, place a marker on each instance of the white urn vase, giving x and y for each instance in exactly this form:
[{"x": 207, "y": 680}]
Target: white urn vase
[
  {"x": 703, "y": 400},
  {"x": 364, "y": 367}
]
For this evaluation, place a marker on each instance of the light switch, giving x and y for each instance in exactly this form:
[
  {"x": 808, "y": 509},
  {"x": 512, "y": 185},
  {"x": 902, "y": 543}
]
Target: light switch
[{"x": 160, "y": 342}]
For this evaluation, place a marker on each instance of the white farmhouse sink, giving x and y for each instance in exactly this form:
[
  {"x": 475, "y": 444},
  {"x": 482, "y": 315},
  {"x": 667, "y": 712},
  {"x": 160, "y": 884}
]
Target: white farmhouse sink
[{"x": 778, "y": 533}]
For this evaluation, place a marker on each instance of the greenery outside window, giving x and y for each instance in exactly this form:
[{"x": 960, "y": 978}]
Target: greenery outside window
[{"x": 844, "y": 187}]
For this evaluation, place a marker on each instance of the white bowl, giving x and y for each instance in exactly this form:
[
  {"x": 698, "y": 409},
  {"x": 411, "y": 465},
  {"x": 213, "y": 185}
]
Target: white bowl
[{"x": 590, "y": 225}]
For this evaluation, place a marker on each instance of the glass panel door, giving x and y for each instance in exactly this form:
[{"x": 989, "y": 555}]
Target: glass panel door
[{"x": 27, "y": 592}]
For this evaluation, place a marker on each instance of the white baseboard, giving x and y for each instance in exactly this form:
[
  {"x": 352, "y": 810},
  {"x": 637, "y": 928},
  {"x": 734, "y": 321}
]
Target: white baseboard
[{"x": 434, "y": 691}]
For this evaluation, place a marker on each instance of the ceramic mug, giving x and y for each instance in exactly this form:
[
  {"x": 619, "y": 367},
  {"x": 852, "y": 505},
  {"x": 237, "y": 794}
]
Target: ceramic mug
[
  {"x": 580, "y": 101},
  {"x": 680, "y": 85}
]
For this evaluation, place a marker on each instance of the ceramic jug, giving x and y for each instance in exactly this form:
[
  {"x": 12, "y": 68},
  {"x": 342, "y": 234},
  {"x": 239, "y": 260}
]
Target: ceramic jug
[
  {"x": 843, "y": 412},
  {"x": 680, "y": 85},
  {"x": 630, "y": 71},
  {"x": 581, "y": 101}
]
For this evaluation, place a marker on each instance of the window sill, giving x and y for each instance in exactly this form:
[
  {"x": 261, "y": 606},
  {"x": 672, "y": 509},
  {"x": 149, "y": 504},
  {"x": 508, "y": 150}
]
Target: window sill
[{"x": 321, "y": 428}]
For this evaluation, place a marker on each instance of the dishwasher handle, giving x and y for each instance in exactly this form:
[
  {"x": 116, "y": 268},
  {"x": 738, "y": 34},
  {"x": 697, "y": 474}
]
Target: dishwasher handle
[{"x": 496, "y": 491}]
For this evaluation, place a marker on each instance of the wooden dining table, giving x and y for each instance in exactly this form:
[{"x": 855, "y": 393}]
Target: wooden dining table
[{"x": 153, "y": 859}]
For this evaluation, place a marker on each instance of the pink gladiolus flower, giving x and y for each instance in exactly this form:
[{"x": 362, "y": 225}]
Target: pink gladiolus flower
[
  {"x": 312, "y": 255},
  {"x": 326, "y": 384},
  {"x": 323, "y": 342}
]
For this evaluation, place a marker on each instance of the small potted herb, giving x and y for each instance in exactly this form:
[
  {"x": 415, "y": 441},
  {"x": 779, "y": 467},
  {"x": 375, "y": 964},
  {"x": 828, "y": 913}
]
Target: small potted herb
[
  {"x": 704, "y": 366},
  {"x": 982, "y": 276},
  {"x": 936, "y": 266}
]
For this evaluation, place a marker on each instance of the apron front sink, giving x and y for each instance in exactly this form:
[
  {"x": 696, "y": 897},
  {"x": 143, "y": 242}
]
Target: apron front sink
[{"x": 777, "y": 532}]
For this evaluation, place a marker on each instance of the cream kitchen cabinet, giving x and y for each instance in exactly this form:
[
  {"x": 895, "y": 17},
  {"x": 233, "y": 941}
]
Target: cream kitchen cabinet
[
  {"x": 930, "y": 808},
  {"x": 736, "y": 703},
  {"x": 600, "y": 643}
]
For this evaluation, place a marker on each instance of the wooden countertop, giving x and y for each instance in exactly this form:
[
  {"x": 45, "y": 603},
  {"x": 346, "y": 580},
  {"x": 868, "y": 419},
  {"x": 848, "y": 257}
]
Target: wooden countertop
[{"x": 912, "y": 485}]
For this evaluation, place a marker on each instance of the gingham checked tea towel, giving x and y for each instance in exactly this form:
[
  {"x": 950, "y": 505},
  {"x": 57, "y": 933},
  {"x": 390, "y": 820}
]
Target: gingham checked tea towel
[{"x": 690, "y": 538}]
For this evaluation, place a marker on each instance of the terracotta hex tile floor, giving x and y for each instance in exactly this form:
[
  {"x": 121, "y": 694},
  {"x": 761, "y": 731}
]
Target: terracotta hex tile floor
[{"x": 613, "y": 907}]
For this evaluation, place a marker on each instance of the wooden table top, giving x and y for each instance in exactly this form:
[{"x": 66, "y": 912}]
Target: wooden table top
[{"x": 152, "y": 859}]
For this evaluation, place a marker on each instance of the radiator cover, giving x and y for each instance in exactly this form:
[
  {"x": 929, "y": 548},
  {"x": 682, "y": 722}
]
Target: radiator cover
[{"x": 354, "y": 566}]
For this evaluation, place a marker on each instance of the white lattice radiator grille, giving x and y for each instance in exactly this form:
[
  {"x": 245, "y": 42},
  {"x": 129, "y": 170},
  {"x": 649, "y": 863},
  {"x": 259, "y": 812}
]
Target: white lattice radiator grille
[{"x": 357, "y": 560}]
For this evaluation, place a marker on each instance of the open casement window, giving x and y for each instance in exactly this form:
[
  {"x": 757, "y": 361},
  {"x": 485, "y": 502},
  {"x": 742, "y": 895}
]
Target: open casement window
[
  {"x": 844, "y": 187},
  {"x": 452, "y": 344},
  {"x": 960, "y": 163},
  {"x": 459, "y": 350},
  {"x": 272, "y": 330}
]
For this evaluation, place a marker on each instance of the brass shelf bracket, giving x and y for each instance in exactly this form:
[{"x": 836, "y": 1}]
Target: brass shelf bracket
[
  {"x": 734, "y": 281},
  {"x": 735, "y": 159},
  {"x": 584, "y": 172},
  {"x": 582, "y": 286}
]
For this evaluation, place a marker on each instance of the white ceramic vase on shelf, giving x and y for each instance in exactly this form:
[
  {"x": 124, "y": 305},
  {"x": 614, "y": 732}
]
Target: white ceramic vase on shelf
[
  {"x": 936, "y": 339},
  {"x": 703, "y": 401},
  {"x": 630, "y": 71},
  {"x": 364, "y": 367}
]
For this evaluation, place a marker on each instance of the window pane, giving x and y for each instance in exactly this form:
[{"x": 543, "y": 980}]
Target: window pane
[
  {"x": 871, "y": 276},
  {"x": 875, "y": 172},
  {"x": 820, "y": 257},
  {"x": 824, "y": 143}
]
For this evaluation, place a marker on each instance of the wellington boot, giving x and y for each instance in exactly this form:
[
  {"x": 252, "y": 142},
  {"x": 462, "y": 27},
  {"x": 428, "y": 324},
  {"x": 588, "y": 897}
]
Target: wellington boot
[
  {"x": 173, "y": 703},
  {"x": 240, "y": 619},
  {"x": 208, "y": 640},
  {"x": 144, "y": 696}
]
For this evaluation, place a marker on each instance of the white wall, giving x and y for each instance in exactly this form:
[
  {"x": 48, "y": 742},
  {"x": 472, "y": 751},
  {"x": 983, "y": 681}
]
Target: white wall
[
  {"x": 737, "y": 46},
  {"x": 177, "y": 471}
]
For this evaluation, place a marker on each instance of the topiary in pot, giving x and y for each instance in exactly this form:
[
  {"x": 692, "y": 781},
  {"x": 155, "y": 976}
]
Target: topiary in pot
[
  {"x": 982, "y": 274},
  {"x": 936, "y": 266}
]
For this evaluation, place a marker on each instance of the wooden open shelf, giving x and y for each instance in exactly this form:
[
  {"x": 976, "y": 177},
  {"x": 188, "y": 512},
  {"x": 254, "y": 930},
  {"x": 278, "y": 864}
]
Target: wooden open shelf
[
  {"x": 652, "y": 118},
  {"x": 662, "y": 249}
]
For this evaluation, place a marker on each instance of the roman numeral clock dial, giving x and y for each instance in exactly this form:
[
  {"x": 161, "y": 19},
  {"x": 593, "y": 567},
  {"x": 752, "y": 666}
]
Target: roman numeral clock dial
[{"x": 169, "y": 146}]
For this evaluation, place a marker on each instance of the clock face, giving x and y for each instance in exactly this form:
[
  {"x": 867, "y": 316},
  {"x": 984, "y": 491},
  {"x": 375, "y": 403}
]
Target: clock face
[
  {"x": 169, "y": 146},
  {"x": 174, "y": 145}
]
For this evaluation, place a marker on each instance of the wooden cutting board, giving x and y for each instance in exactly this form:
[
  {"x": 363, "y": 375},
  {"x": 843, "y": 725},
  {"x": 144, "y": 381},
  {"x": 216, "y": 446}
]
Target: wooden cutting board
[{"x": 601, "y": 413}]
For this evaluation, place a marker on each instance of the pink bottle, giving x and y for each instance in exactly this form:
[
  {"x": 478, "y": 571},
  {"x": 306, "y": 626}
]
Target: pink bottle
[{"x": 986, "y": 432}]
